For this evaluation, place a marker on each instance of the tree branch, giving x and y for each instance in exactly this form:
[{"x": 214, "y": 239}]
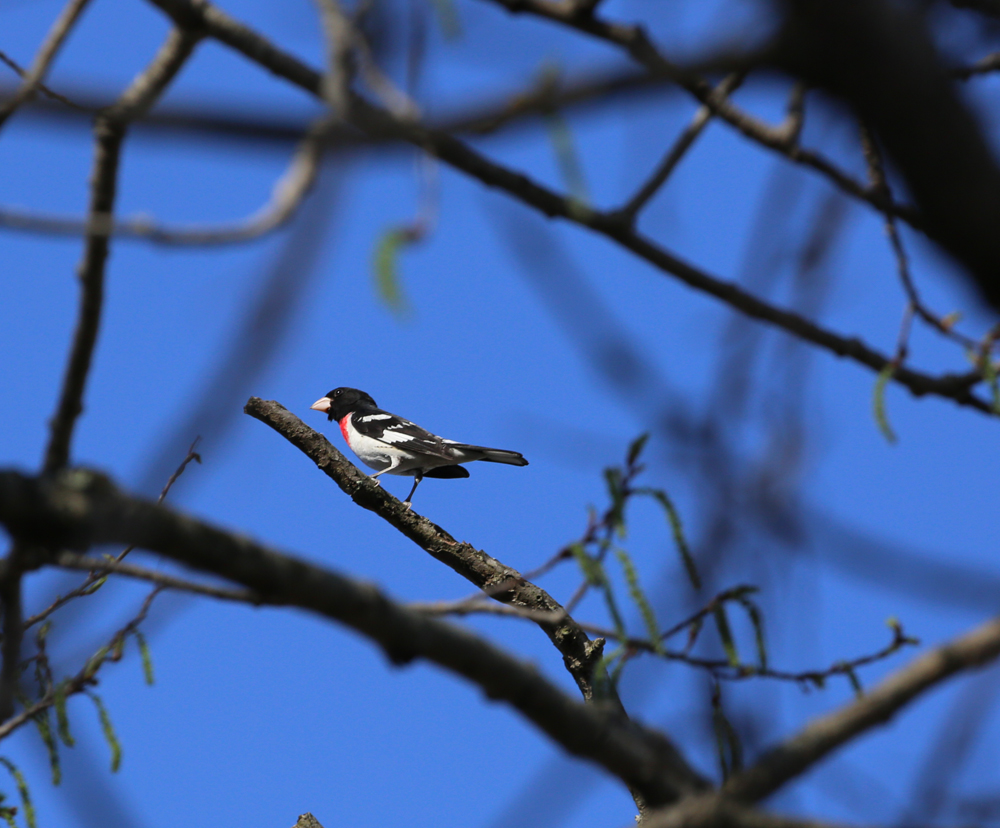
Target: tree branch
[
  {"x": 33, "y": 78},
  {"x": 219, "y": 25},
  {"x": 78, "y": 508},
  {"x": 825, "y": 734},
  {"x": 110, "y": 133}
]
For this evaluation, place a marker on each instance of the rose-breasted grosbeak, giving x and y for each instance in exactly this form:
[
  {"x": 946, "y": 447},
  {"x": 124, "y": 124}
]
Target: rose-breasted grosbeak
[{"x": 390, "y": 444}]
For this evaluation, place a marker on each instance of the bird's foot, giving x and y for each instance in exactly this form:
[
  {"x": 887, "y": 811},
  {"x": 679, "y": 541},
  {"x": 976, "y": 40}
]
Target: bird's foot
[{"x": 408, "y": 505}]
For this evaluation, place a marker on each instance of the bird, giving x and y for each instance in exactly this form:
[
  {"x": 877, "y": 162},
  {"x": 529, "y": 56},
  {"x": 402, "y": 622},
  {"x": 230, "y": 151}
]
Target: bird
[{"x": 393, "y": 445}]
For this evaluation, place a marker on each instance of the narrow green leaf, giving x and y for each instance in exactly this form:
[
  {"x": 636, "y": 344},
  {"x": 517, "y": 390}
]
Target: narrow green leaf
[
  {"x": 616, "y": 491},
  {"x": 616, "y": 616},
  {"x": 726, "y": 634},
  {"x": 109, "y": 731},
  {"x": 988, "y": 369},
  {"x": 386, "y": 271},
  {"x": 147, "y": 658},
  {"x": 62, "y": 718},
  {"x": 95, "y": 586},
  {"x": 95, "y": 662},
  {"x": 591, "y": 568},
  {"x": 674, "y": 519},
  {"x": 878, "y": 402},
  {"x": 635, "y": 449},
  {"x": 44, "y": 725},
  {"x": 639, "y": 597},
  {"x": 727, "y": 740},
  {"x": 757, "y": 619},
  {"x": 7, "y": 815},
  {"x": 22, "y": 789}
]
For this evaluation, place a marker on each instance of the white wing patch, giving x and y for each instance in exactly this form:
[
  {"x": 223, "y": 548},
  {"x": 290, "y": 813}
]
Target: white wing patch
[
  {"x": 390, "y": 436},
  {"x": 372, "y": 417}
]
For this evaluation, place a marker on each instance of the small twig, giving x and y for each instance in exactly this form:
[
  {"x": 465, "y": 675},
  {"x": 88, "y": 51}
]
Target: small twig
[
  {"x": 876, "y": 173},
  {"x": 99, "y": 566},
  {"x": 43, "y": 60},
  {"x": 90, "y": 584},
  {"x": 41, "y": 87},
  {"x": 679, "y": 149},
  {"x": 85, "y": 678}
]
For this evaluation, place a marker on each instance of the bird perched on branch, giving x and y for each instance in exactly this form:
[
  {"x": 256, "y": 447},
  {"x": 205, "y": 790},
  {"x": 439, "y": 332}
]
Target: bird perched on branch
[{"x": 392, "y": 445}]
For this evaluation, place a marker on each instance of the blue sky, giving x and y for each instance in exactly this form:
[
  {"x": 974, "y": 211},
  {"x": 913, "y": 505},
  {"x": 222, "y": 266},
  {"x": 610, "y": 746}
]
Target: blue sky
[{"x": 260, "y": 714}]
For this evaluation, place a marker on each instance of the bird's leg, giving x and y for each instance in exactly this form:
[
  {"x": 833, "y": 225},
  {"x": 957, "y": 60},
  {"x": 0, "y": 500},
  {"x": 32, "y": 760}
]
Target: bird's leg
[
  {"x": 416, "y": 482},
  {"x": 374, "y": 477}
]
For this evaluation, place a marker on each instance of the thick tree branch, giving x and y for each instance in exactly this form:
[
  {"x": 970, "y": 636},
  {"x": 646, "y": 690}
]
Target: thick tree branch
[
  {"x": 78, "y": 508},
  {"x": 500, "y": 582},
  {"x": 798, "y": 754}
]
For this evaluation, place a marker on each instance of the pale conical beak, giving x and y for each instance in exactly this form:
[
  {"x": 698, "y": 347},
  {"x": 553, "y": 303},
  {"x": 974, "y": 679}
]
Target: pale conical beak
[{"x": 322, "y": 404}]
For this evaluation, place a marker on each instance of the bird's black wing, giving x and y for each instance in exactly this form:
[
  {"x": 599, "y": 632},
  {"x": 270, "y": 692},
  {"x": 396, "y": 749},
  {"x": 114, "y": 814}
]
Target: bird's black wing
[{"x": 406, "y": 435}]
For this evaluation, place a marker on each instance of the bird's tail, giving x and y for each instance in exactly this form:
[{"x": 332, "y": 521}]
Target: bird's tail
[{"x": 491, "y": 455}]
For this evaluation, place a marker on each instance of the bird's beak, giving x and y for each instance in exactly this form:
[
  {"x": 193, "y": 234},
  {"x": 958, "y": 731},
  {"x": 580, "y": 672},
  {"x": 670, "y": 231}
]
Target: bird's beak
[{"x": 322, "y": 404}]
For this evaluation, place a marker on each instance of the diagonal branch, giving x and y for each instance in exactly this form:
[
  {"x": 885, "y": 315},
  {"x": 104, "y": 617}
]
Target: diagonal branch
[
  {"x": 825, "y": 734},
  {"x": 32, "y": 80},
  {"x": 78, "y": 508},
  {"x": 500, "y": 582}
]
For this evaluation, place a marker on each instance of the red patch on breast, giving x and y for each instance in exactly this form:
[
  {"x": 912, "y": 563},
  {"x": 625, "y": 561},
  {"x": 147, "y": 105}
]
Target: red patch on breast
[{"x": 343, "y": 428}]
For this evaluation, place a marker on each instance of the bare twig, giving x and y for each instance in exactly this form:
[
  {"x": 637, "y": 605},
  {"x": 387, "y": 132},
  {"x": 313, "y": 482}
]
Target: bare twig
[
  {"x": 110, "y": 132},
  {"x": 46, "y": 54},
  {"x": 91, "y": 583},
  {"x": 679, "y": 149},
  {"x": 876, "y": 173},
  {"x": 105, "y": 566},
  {"x": 41, "y": 87}
]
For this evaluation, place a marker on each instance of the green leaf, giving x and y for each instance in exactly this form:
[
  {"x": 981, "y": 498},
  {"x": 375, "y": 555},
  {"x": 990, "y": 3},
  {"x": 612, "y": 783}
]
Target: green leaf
[
  {"x": 386, "y": 271},
  {"x": 727, "y": 740},
  {"x": 616, "y": 491},
  {"x": 758, "y": 628},
  {"x": 591, "y": 568},
  {"x": 95, "y": 586},
  {"x": 44, "y": 725},
  {"x": 989, "y": 371},
  {"x": 109, "y": 731},
  {"x": 22, "y": 789},
  {"x": 62, "y": 718},
  {"x": 147, "y": 659},
  {"x": 616, "y": 616},
  {"x": 878, "y": 402},
  {"x": 726, "y": 634},
  {"x": 677, "y": 529},
  {"x": 639, "y": 597},
  {"x": 95, "y": 662},
  {"x": 635, "y": 449}
]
